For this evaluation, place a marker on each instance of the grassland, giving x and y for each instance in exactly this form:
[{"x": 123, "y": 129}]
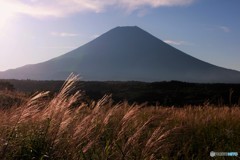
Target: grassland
[{"x": 62, "y": 128}]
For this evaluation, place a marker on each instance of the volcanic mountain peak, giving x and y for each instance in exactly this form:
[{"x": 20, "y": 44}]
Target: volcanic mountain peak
[{"x": 125, "y": 54}]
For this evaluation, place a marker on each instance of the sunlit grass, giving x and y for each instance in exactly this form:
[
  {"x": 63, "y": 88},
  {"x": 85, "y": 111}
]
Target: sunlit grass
[{"x": 58, "y": 129}]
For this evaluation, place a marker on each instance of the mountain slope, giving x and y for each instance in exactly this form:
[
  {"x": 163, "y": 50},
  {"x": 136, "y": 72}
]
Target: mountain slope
[{"x": 126, "y": 53}]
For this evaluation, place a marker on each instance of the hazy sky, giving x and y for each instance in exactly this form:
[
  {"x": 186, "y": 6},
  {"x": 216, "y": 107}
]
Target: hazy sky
[{"x": 33, "y": 31}]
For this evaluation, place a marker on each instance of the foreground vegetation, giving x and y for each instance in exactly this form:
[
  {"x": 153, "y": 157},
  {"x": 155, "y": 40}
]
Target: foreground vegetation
[{"x": 63, "y": 128}]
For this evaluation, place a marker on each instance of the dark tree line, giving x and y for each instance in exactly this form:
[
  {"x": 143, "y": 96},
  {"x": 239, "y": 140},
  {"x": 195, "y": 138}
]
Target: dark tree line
[
  {"x": 6, "y": 86},
  {"x": 162, "y": 93}
]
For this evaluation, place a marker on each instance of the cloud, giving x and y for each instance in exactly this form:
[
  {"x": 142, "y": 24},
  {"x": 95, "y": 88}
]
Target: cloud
[
  {"x": 64, "y": 34},
  {"x": 178, "y": 43},
  {"x": 138, "y": 4},
  {"x": 142, "y": 13},
  {"x": 218, "y": 28},
  {"x": 224, "y": 29},
  {"x": 61, "y": 8},
  {"x": 62, "y": 47},
  {"x": 95, "y": 36}
]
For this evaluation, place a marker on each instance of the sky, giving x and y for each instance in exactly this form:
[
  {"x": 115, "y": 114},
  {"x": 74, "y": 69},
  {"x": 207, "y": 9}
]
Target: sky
[{"x": 33, "y": 31}]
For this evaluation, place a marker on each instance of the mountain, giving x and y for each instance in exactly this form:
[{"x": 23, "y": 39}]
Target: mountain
[{"x": 125, "y": 54}]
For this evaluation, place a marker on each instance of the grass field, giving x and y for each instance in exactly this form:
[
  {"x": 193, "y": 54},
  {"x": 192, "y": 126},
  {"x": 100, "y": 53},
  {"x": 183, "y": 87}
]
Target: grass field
[{"x": 62, "y": 128}]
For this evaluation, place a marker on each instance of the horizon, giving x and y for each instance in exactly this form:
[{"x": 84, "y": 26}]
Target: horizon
[{"x": 34, "y": 32}]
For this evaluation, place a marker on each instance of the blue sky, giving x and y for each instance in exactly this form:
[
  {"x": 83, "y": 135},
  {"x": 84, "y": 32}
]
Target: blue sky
[{"x": 33, "y": 31}]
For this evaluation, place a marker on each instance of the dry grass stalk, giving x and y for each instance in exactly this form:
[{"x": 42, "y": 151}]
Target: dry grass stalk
[{"x": 108, "y": 131}]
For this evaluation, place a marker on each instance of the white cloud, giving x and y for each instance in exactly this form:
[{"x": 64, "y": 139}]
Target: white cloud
[
  {"x": 64, "y": 34},
  {"x": 224, "y": 29},
  {"x": 142, "y": 13},
  {"x": 218, "y": 28},
  {"x": 178, "y": 43},
  {"x": 62, "y": 47},
  {"x": 138, "y": 4},
  {"x": 95, "y": 36},
  {"x": 61, "y": 8}
]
